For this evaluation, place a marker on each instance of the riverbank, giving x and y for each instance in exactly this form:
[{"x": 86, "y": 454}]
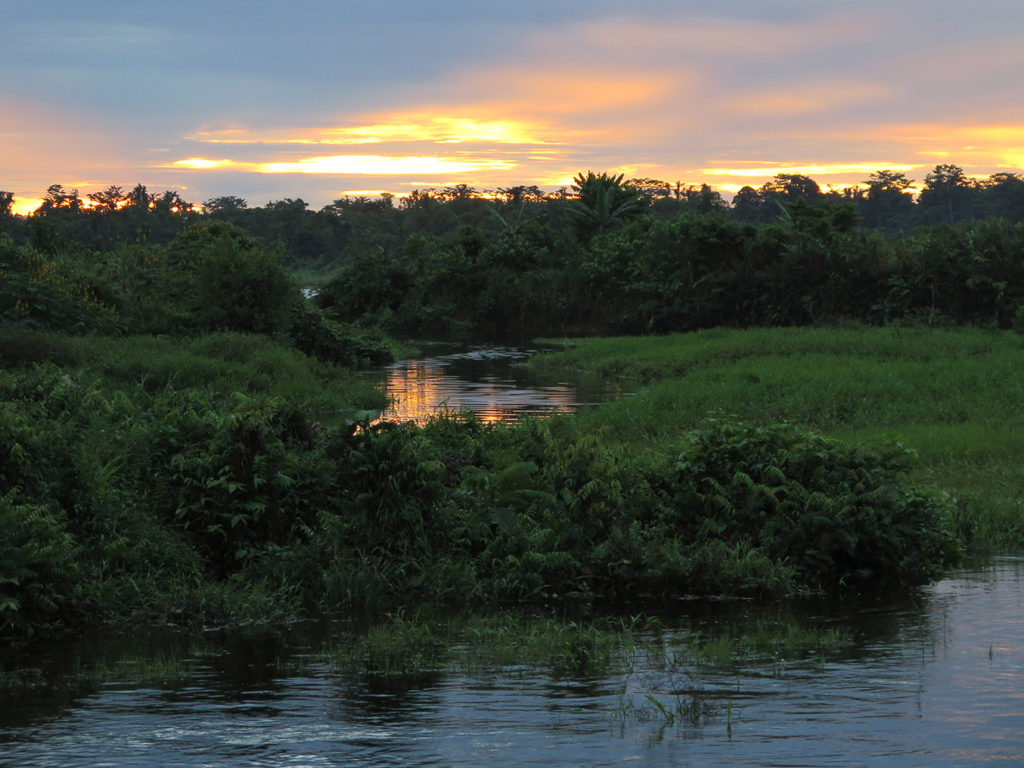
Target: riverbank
[
  {"x": 953, "y": 396},
  {"x": 225, "y": 478}
]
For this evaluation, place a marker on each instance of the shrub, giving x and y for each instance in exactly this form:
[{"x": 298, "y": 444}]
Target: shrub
[
  {"x": 37, "y": 565},
  {"x": 248, "y": 477},
  {"x": 312, "y": 332},
  {"x": 839, "y": 516},
  {"x": 234, "y": 284},
  {"x": 41, "y": 291}
]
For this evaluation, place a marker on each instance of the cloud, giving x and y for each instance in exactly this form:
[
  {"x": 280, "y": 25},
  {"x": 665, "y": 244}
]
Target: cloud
[
  {"x": 351, "y": 165},
  {"x": 432, "y": 126},
  {"x": 277, "y": 101},
  {"x": 806, "y": 170},
  {"x": 824, "y": 97}
]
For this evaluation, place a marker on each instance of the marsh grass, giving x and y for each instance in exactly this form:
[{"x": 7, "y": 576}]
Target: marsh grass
[
  {"x": 952, "y": 395},
  {"x": 761, "y": 642},
  {"x": 506, "y": 643},
  {"x": 222, "y": 363}
]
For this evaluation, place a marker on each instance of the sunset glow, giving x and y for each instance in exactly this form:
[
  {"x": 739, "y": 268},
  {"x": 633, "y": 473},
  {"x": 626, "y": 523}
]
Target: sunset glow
[
  {"x": 400, "y": 128},
  {"x": 353, "y": 165},
  {"x": 723, "y": 96}
]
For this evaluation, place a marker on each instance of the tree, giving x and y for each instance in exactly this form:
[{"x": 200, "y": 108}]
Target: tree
[
  {"x": 227, "y": 204},
  {"x": 946, "y": 194},
  {"x": 702, "y": 199},
  {"x": 109, "y": 199},
  {"x": 748, "y": 205},
  {"x": 881, "y": 182},
  {"x": 1002, "y": 195},
  {"x": 790, "y": 187},
  {"x": 235, "y": 284},
  {"x": 652, "y": 188},
  {"x": 604, "y": 202},
  {"x": 171, "y": 202},
  {"x": 139, "y": 198},
  {"x": 57, "y": 198},
  {"x": 887, "y": 203},
  {"x": 6, "y": 204},
  {"x": 521, "y": 194}
]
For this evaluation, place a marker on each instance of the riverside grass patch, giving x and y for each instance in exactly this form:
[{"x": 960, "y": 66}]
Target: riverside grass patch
[
  {"x": 164, "y": 477},
  {"x": 953, "y": 396}
]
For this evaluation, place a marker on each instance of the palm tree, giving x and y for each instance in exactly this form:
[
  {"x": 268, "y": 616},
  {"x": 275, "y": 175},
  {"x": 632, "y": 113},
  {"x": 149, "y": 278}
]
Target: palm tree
[{"x": 604, "y": 202}]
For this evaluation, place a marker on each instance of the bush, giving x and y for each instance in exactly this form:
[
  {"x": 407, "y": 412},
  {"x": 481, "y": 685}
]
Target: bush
[
  {"x": 312, "y": 332},
  {"x": 37, "y": 565},
  {"x": 233, "y": 283},
  {"x": 839, "y": 516},
  {"x": 39, "y": 291},
  {"x": 245, "y": 478}
]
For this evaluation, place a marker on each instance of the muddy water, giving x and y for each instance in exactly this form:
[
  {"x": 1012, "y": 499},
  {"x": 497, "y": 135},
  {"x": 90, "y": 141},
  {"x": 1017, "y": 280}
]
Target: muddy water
[{"x": 935, "y": 680}]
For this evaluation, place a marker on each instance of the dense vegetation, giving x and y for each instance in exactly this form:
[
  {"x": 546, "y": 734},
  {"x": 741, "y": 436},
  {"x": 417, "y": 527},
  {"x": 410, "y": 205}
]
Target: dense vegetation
[
  {"x": 166, "y": 495},
  {"x": 952, "y": 395},
  {"x": 182, "y": 436},
  {"x": 606, "y": 257}
]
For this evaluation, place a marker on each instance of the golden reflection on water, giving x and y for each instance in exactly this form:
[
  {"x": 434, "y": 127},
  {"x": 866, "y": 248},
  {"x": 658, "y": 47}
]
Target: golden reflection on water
[{"x": 422, "y": 389}]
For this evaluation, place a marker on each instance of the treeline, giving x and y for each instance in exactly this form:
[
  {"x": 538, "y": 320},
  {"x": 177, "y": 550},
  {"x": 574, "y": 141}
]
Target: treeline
[
  {"x": 348, "y": 226},
  {"x": 212, "y": 277},
  {"x": 616, "y": 268},
  {"x": 607, "y": 256}
]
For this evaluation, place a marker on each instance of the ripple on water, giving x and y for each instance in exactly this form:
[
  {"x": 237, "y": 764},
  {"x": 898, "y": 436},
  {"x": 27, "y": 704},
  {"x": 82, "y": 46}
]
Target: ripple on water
[{"x": 940, "y": 682}]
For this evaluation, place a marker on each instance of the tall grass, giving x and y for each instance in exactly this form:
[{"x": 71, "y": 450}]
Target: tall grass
[
  {"x": 955, "y": 396},
  {"x": 218, "y": 363}
]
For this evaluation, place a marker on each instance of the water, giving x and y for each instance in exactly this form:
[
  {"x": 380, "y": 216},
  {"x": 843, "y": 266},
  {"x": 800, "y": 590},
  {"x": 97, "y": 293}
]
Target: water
[
  {"x": 934, "y": 680},
  {"x": 490, "y": 382}
]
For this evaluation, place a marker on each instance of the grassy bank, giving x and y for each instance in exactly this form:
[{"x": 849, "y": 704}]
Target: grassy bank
[
  {"x": 953, "y": 396},
  {"x": 224, "y": 477}
]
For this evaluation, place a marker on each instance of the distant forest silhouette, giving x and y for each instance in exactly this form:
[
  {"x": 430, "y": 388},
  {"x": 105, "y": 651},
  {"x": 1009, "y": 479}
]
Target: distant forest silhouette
[
  {"x": 606, "y": 255},
  {"x": 116, "y": 216}
]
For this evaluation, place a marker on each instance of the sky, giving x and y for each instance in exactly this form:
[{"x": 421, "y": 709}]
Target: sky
[{"x": 316, "y": 99}]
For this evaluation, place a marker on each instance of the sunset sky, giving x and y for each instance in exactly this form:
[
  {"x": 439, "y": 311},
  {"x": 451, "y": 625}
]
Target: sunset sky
[{"x": 318, "y": 98}]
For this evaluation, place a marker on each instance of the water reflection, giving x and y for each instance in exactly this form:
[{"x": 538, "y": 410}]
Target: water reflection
[
  {"x": 489, "y": 381},
  {"x": 938, "y": 680}
]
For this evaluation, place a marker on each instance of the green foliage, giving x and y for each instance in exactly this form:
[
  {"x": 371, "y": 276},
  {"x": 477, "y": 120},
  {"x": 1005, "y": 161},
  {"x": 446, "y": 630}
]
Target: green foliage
[
  {"x": 44, "y": 291},
  {"x": 234, "y": 284},
  {"x": 839, "y": 516},
  {"x": 392, "y": 482},
  {"x": 37, "y": 566},
  {"x": 369, "y": 288},
  {"x": 951, "y": 394},
  {"x": 246, "y": 479},
  {"x": 312, "y": 332},
  {"x": 604, "y": 202}
]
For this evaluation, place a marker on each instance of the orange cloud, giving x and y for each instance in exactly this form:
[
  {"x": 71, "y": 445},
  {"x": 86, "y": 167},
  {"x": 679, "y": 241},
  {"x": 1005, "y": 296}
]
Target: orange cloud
[
  {"x": 434, "y": 127},
  {"x": 547, "y": 92},
  {"x": 998, "y": 145},
  {"x": 807, "y": 170},
  {"x": 807, "y": 98},
  {"x": 204, "y": 164},
  {"x": 368, "y": 165}
]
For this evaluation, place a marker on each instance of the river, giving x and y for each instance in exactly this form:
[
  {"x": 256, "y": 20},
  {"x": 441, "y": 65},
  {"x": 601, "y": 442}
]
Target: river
[
  {"x": 934, "y": 680},
  {"x": 489, "y": 381}
]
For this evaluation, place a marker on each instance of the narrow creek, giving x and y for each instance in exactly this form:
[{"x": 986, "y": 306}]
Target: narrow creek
[{"x": 488, "y": 380}]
